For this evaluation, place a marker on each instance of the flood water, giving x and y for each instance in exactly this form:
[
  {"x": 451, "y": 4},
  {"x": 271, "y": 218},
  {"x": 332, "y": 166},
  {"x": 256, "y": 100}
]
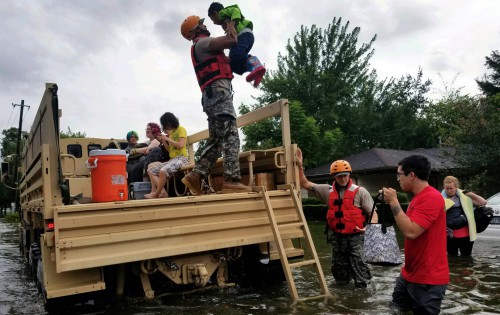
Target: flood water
[{"x": 474, "y": 288}]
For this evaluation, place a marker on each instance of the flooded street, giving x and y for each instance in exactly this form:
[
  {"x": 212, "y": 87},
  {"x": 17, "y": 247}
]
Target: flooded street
[
  {"x": 474, "y": 288},
  {"x": 18, "y": 294}
]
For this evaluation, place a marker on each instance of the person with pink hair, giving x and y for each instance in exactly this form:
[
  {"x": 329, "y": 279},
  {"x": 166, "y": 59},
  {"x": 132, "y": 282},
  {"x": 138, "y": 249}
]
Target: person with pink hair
[{"x": 137, "y": 172}]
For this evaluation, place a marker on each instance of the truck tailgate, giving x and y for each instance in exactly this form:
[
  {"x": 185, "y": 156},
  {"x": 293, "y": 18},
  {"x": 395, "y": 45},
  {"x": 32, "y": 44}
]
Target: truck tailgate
[{"x": 101, "y": 234}]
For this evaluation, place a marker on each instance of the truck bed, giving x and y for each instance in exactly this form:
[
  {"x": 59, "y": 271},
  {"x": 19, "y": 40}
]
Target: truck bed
[{"x": 93, "y": 235}]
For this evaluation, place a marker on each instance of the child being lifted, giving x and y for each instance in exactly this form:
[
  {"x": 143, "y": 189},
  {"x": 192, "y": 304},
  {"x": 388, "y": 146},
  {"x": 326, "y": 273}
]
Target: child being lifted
[{"x": 236, "y": 26}]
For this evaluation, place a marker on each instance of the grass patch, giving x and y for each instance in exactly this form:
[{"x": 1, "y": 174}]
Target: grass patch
[{"x": 11, "y": 217}]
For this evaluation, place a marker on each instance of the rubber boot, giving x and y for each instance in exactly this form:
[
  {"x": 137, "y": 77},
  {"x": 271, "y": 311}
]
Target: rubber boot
[
  {"x": 192, "y": 181},
  {"x": 256, "y": 69}
]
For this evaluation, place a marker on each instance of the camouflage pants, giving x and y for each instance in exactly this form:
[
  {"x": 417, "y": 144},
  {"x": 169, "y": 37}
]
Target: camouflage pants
[
  {"x": 223, "y": 137},
  {"x": 347, "y": 260}
]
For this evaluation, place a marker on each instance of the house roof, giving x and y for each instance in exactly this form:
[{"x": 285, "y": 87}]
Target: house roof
[{"x": 383, "y": 159}]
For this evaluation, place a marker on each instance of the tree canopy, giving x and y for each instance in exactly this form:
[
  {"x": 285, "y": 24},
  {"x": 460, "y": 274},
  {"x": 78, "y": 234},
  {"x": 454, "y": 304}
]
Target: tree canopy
[
  {"x": 304, "y": 130},
  {"x": 322, "y": 69},
  {"x": 339, "y": 105},
  {"x": 70, "y": 134},
  {"x": 471, "y": 125},
  {"x": 9, "y": 141},
  {"x": 9, "y": 149},
  {"x": 490, "y": 84}
]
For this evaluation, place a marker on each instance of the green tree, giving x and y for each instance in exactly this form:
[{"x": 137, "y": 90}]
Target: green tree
[
  {"x": 322, "y": 72},
  {"x": 9, "y": 147},
  {"x": 490, "y": 85},
  {"x": 199, "y": 150},
  {"x": 470, "y": 126},
  {"x": 322, "y": 69},
  {"x": 388, "y": 114},
  {"x": 8, "y": 152},
  {"x": 9, "y": 141},
  {"x": 304, "y": 131},
  {"x": 70, "y": 134},
  {"x": 478, "y": 143},
  {"x": 328, "y": 73},
  {"x": 399, "y": 107}
]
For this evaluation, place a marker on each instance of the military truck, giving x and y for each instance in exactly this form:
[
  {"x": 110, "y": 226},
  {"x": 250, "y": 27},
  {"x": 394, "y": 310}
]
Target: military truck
[{"x": 74, "y": 245}]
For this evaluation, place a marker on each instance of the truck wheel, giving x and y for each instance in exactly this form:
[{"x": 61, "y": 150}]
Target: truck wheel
[
  {"x": 21, "y": 241},
  {"x": 49, "y": 304},
  {"x": 34, "y": 256},
  {"x": 39, "y": 276}
]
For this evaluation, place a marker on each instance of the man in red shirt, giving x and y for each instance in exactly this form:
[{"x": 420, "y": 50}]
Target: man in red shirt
[{"x": 425, "y": 275}]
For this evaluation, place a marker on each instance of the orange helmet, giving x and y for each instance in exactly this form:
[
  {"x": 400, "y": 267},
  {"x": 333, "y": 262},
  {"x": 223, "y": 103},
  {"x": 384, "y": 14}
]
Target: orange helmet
[
  {"x": 189, "y": 25},
  {"x": 340, "y": 166}
]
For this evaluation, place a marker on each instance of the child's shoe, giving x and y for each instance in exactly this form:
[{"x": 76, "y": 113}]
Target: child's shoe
[{"x": 256, "y": 69}]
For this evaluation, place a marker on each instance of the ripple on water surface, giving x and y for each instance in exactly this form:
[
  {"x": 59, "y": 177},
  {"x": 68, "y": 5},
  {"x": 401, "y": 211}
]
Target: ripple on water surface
[{"x": 474, "y": 288}]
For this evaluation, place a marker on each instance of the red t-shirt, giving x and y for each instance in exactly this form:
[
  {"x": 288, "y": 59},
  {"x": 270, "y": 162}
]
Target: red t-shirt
[{"x": 425, "y": 257}]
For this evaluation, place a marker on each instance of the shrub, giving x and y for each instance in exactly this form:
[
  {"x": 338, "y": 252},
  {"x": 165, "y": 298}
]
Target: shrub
[
  {"x": 314, "y": 209},
  {"x": 11, "y": 217},
  {"x": 311, "y": 201}
]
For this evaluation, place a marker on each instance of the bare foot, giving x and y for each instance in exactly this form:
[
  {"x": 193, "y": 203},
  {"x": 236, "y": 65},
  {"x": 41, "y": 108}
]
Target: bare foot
[
  {"x": 151, "y": 196},
  {"x": 163, "y": 195}
]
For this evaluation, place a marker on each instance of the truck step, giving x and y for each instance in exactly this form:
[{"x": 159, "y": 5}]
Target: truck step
[{"x": 302, "y": 263}]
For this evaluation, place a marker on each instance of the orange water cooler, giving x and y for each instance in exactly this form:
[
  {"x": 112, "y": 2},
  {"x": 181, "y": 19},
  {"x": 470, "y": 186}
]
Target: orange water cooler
[{"x": 108, "y": 172}]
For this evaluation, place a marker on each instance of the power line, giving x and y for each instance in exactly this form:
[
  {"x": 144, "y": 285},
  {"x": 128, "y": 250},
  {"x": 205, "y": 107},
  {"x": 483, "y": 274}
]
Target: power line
[{"x": 10, "y": 116}]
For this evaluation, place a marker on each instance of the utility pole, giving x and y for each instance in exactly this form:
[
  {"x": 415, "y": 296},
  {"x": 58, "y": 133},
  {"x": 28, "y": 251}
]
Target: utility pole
[{"x": 18, "y": 149}]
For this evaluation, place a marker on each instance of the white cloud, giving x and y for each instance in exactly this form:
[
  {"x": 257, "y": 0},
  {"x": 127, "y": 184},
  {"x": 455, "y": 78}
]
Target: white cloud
[{"x": 121, "y": 64}]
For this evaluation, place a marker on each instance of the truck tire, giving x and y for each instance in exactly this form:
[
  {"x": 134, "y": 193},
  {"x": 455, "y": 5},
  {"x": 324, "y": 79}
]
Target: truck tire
[
  {"x": 33, "y": 258},
  {"x": 49, "y": 304},
  {"x": 39, "y": 276}
]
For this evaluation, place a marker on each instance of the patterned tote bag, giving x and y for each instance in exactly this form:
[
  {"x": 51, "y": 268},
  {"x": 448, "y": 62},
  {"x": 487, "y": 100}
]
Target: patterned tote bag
[{"x": 381, "y": 246}]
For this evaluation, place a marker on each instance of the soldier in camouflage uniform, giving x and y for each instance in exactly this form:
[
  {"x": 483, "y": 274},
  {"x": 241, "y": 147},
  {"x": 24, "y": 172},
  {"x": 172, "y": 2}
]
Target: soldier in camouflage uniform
[
  {"x": 349, "y": 205},
  {"x": 223, "y": 136},
  {"x": 214, "y": 77}
]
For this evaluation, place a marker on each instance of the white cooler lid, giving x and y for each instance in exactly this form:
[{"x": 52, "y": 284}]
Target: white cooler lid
[{"x": 107, "y": 152}]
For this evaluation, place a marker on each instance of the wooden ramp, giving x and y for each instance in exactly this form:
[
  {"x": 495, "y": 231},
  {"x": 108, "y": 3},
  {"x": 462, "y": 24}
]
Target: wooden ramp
[{"x": 310, "y": 258}]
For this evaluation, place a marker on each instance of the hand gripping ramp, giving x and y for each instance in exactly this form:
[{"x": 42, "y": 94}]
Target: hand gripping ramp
[{"x": 310, "y": 256}]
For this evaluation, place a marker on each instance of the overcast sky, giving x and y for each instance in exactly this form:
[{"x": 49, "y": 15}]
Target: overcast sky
[{"x": 121, "y": 64}]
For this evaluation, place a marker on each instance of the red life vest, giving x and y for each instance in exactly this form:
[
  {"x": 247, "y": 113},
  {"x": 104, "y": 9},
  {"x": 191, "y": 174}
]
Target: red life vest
[
  {"x": 342, "y": 216},
  {"x": 213, "y": 68}
]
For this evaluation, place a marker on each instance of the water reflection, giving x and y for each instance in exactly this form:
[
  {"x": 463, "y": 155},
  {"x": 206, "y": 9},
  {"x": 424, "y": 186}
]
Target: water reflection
[
  {"x": 474, "y": 288},
  {"x": 18, "y": 295}
]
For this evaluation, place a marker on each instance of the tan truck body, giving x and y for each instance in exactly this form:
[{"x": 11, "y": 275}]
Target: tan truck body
[{"x": 188, "y": 239}]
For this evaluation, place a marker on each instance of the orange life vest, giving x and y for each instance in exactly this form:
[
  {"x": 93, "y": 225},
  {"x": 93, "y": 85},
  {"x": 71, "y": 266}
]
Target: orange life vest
[
  {"x": 342, "y": 216},
  {"x": 212, "y": 68}
]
